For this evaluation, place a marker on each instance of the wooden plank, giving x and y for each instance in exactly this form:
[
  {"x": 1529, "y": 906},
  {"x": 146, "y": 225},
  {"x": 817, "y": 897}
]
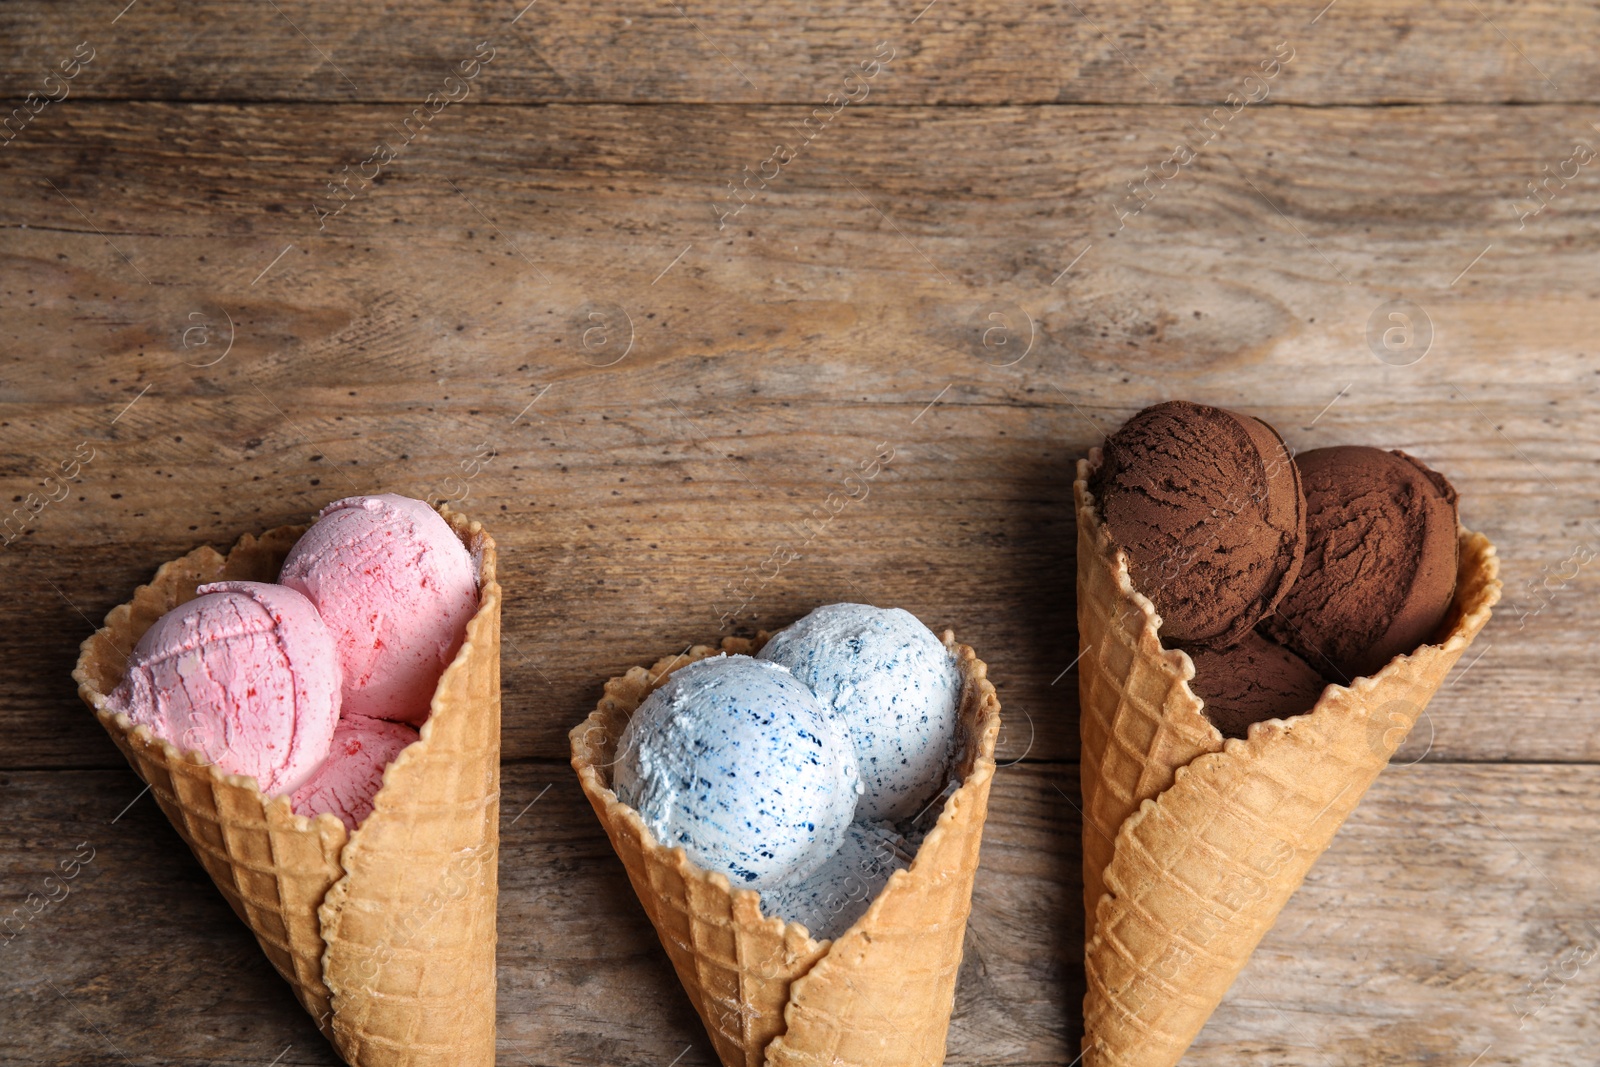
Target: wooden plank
[
  {"x": 1450, "y": 916},
  {"x": 1448, "y": 921},
  {"x": 947, "y": 51},
  {"x": 442, "y": 317}
]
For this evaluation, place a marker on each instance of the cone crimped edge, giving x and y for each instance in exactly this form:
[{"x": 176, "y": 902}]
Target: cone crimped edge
[
  {"x": 386, "y": 934},
  {"x": 879, "y": 995},
  {"x": 1205, "y": 840}
]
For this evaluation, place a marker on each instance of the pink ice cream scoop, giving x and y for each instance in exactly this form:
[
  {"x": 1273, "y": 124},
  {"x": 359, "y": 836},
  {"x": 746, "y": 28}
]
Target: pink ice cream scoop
[
  {"x": 246, "y": 674},
  {"x": 396, "y": 587},
  {"x": 351, "y": 776}
]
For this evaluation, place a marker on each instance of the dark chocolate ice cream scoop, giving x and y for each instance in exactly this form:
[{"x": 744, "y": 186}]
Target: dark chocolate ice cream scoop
[
  {"x": 1380, "y": 566},
  {"x": 1252, "y": 681},
  {"x": 1207, "y": 505}
]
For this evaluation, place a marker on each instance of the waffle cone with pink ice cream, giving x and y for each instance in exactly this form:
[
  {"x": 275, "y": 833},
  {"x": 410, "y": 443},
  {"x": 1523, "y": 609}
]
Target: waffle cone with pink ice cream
[{"x": 276, "y": 725}]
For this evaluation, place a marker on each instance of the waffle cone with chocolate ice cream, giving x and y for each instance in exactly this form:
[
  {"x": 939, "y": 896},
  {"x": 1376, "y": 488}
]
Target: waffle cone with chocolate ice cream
[
  {"x": 386, "y": 934},
  {"x": 1193, "y": 843},
  {"x": 880, "y": 994}
]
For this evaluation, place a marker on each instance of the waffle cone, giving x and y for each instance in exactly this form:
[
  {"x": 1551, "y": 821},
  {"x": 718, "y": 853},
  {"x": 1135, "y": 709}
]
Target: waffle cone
[
  {"x": 880, "y": 995},
  {"x": 386, "y": 934},
  {"x": 1193, "y": 844}
]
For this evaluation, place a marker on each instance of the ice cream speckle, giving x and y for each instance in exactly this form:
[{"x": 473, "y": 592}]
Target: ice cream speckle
[{"x": 896, "y": 688}]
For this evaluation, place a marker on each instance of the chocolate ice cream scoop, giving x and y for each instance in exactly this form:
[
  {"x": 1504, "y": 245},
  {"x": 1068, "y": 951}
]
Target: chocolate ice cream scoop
[
  {"x": 1207, "y": 505},
  {"x": 1252, "y": 681},
  {"x": 1380, "y": 567}
]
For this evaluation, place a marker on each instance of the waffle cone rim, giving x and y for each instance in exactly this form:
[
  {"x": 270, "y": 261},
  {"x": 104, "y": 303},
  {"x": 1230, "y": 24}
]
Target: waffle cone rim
[
  {"x": 489, "y": 593},
  {"x": 1460, "y": 627}
]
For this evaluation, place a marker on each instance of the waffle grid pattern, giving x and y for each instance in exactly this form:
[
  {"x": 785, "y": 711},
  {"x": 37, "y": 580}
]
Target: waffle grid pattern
[
  {"x": 882, "y": 993},
  {"x": 275, "y": 868},
  {"x": 1139, "y": 721},
  {"x": 411, "y": 928},
  {"x": 272, "y": 874}
]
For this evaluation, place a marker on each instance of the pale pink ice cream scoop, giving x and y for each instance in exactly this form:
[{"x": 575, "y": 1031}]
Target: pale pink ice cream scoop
[
  {"x": 396, "y": 587},
  {"x": 351, "y": 776},
  {"x": 246, "y": 675}
]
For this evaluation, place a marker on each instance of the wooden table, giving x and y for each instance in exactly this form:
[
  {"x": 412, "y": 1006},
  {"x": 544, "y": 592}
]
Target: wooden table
[{"x": 550, "y": 262}]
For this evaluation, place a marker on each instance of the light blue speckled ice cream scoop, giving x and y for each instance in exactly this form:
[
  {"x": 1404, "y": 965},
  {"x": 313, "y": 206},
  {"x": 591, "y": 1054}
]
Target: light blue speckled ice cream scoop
[
  {"x": 736, "y": 762},
  {"x": 897, "y": 688},
  {"x": 831, "y": 900}
]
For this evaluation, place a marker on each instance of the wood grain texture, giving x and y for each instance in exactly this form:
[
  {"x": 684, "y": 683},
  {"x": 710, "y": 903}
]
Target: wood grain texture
[
  {"x": 438, "y": 338},
  {"x": 534, "y": 309},
  {"x": 1442, "y": 921},
  {"x": 948, "y": 51}
]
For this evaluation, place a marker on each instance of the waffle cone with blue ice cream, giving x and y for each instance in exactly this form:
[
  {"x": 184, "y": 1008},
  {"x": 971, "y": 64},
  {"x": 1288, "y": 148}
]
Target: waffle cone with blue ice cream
[
  {"x": 1193, "y": 843},
  {"x": 770, "y": 993}
]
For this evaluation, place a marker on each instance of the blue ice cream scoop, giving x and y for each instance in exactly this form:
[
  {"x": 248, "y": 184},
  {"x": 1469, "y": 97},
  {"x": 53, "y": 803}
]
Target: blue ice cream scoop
[
  {"x": 735, "y": 761},
  {"x": 893, "y": 684},
  {"x": 831, "y": 900}
]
